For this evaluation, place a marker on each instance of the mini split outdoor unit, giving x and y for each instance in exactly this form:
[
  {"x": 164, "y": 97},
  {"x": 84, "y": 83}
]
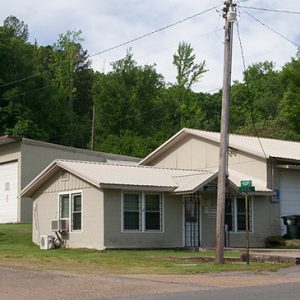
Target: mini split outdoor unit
[
  {"x": 59, "y": 225},
  {"x": 46, "y": 242}
]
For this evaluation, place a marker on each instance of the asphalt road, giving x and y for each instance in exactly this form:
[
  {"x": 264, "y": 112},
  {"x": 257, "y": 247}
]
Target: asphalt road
[
  {"x": 17, "y": 283},
  {"x": 290, "y": 291}
]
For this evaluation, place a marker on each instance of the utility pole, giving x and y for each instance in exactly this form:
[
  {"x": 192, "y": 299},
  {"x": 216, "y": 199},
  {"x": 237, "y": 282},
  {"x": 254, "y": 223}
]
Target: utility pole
[
  {"x": 230, "y": 17},
  {"x": 93, "y": 128}
]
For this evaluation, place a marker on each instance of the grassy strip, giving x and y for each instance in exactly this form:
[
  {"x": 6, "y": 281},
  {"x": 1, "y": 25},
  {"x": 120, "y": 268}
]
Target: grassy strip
[{"x": 17, "y": 250}]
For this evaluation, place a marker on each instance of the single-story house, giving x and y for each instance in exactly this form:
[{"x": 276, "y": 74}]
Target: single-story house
[
  {"x": 22, "y": 159},
  {"x": 169, "y": 198},
  {"x": 274, "y": 162},
  {"x": 106, "y": 206}
]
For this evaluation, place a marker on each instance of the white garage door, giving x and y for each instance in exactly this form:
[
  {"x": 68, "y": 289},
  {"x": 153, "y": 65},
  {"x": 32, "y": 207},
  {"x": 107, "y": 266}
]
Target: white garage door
[
  {"x": 289, "y": 193},
  {"x": 8, "y": 192}
]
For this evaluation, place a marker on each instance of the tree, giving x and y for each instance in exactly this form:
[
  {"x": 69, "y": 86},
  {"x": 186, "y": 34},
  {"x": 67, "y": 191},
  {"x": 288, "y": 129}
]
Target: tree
[
  {"x": 128, "y": 106},
  {"x": 188, "y": 72},
  {"x": 255, "y": 102},
  {"x": 18, "y": 28}
]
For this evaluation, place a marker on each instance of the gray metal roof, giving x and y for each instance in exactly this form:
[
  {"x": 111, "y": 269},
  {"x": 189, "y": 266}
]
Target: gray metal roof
[{"x": 7, "y": 139}]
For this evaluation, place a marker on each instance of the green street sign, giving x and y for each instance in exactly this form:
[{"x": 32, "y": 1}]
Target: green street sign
[
  {"x": 246, "y": 183},
  {"x": 246, "y": 189},
  {"x": 211, "y": 187}
]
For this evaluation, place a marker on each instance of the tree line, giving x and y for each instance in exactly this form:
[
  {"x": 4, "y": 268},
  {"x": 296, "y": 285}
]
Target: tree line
[{"x": 47, "y": 93}]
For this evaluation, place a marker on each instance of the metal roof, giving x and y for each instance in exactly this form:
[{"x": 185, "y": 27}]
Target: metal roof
[
  {"x": 261, "y": 147},
  {"x": 103, "y": 175},
  {"x": 7, "y": 139}
]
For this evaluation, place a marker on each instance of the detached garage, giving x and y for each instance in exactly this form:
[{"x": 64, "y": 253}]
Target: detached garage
[{"x": 21, "y": 159}]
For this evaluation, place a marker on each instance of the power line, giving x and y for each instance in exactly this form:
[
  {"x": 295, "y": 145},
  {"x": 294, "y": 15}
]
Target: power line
[
  {"x": 248, "y": 90},
  {"x": 19, "y": 80},
  {"x": 154, "y": 31},
  {"x": 272, "y": 10},
  {"x": 273, "y": 30}
]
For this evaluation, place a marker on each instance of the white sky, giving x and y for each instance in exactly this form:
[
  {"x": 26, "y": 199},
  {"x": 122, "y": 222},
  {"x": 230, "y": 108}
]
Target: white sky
[{"x": 106, "y": 23}]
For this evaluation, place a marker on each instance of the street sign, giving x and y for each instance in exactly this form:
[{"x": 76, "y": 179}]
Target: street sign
[
  {"x": 210, "y": 187},
  {"x": 246, "y": 183},
  {"x": 246, "y": 189}
]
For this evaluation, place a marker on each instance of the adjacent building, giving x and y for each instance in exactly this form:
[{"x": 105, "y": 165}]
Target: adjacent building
[{"x": 22, "y": 159}]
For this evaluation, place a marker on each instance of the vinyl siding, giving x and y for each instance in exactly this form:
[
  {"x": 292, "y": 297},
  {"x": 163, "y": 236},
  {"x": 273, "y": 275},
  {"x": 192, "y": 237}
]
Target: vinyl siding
[
  {"x": 265, "y": 223},
  {"x": 196, "y": 153},
  {"x": 115, "y": 238},
  {"x": 45, "y": 208}
]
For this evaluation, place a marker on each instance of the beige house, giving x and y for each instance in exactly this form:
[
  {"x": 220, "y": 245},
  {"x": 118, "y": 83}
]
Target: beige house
[
  {"x": 121, "y": 206},
  {"x": 22, "y": 159},
  {"x": 169, "y": 199},
  {"x": 275, "y": 163}
]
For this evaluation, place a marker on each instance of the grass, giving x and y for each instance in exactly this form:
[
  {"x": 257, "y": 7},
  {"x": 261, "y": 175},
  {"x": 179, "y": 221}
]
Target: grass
[{"x": 17, "y": 250}]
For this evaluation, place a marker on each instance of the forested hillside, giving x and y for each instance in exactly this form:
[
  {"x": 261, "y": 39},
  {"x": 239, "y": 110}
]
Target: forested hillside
[{"x": 47, "y": 93}]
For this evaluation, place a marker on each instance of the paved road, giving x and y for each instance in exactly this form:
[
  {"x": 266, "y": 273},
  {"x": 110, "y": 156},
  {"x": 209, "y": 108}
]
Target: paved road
[
  {"x": 18, "y": 284},
  {"x": 289, "y": 291}
]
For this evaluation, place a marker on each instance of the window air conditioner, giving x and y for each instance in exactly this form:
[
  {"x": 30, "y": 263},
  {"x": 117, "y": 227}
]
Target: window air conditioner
[
  {"x": 46, "y": 242},
  {"x": 64, "y": 225},
  {"x": 54, "y": 225}
]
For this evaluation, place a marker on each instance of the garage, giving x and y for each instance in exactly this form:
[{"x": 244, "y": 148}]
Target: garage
[
  {"x": 289, "y": 194},
  {"x": 9, "y": 192}
]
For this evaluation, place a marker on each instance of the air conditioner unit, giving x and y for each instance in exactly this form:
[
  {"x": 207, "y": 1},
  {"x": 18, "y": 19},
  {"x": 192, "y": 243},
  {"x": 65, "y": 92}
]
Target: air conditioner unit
[
  {"x": 46, "y": 242},
  {"x": 54, "y": 225},
  {"x": 64, "y": 225}
]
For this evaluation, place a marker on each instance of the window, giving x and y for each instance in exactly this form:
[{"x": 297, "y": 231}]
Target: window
[
  {"x": 76, "y": 212},
  {"x": 241, "y": 214},
  {"x": 142, "y": 211},
  {"x": 64, "y": 206},
  {"x": 229, "y": 214},
  {"x": 235, "y": 214},
  {"x": 152, "y": 212},
  {"x": 132, "y": 211},
  {"x": 70, "y": 208}
]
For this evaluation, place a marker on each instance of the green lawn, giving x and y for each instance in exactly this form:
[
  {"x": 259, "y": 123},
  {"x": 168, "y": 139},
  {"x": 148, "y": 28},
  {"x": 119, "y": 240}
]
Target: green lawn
[{"x": 17, "y": 250}]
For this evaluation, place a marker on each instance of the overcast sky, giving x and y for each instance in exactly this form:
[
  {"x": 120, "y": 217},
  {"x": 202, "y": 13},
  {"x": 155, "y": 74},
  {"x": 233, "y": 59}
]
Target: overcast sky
[{"x": 106, "y": 23}]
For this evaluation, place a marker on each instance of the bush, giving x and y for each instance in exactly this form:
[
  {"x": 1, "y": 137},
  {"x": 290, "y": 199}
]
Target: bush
[{"x": 274, "y": 242}]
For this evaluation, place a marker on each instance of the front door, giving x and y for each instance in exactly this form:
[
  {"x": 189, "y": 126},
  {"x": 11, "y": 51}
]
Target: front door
[{"x": 191, "y": 220}]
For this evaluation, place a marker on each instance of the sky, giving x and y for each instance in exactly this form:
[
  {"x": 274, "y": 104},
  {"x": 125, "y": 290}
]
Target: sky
[{"x": 107, "y": 23}]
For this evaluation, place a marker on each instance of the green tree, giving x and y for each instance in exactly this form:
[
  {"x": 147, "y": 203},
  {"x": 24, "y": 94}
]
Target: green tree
[
  {"x": 128, "y": 106},
  {"x": 18, "y": 28}
]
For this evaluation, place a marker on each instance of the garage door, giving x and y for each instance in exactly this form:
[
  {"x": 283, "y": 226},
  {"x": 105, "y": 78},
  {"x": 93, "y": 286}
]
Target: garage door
[
  {"x": 8, "y": 192},
  {"x": 289, "y": 193}
]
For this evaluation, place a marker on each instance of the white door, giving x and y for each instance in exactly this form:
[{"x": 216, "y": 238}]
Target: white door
[
  {"x": 289, "y": 194},
  {"x": 8, "y": 192}
]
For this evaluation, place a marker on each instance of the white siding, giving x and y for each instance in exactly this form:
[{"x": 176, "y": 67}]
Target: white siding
[{"x": 9, "y": 192}]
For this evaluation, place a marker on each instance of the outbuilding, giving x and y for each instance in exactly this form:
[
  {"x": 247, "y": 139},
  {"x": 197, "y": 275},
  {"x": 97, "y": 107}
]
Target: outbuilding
[{"x": 22, "y": 159}]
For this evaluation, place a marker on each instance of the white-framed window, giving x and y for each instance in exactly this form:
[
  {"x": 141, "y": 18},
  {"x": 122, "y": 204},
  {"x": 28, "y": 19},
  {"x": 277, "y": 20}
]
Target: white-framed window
[
  {"x": 70, "y": 208},
  {"x": 142, "y": 212},
  {"x": 235, "y": 214}
]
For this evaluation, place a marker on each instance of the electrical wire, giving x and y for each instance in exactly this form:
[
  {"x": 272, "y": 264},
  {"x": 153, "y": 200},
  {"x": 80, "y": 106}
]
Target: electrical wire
[
  {"x": 273, "y": 30},
  {"x": 271, "y": 10},
  {"x": 154, "y": 31},
  {"x": 19, "y": 80},
  {"x": 248, "y": 89}
]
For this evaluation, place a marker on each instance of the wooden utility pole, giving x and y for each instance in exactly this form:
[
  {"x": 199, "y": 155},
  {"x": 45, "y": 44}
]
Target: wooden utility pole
[
  {"x": 93, "y": 128},
  {"x": 230, "y": 17}
]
